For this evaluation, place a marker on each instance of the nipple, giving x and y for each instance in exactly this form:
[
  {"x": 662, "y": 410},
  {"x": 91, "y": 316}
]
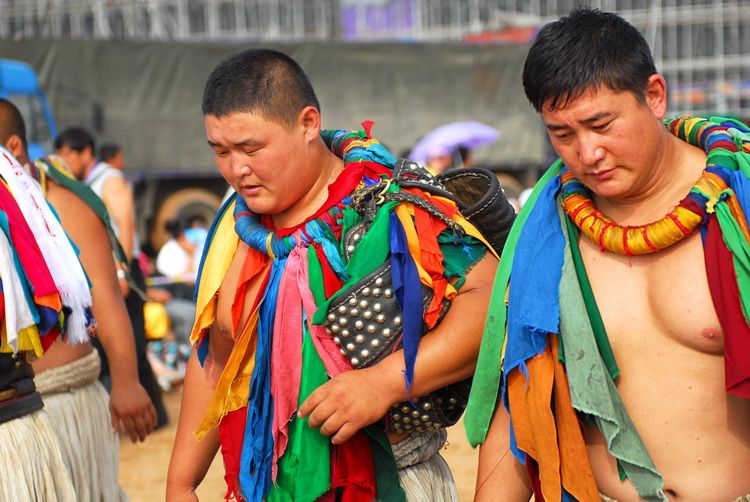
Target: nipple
[{"x": 711, "y": 334}]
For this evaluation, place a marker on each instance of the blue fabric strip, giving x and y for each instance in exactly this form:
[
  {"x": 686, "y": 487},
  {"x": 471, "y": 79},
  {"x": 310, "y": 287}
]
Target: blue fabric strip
[
  {"x": 257, "y": 446},
  {"x": 408, "y": 291}
]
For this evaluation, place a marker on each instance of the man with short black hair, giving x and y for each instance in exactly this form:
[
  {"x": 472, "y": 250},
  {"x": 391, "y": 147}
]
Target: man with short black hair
[
  {"x": 322, "y": 263},
  {"x": 111, "y": 153},
  {"x": 626, "y": 365}
]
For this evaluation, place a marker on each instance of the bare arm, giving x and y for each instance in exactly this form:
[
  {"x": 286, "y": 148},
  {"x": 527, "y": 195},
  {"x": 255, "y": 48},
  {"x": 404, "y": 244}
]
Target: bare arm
[
  {"x": 117, "y": 196},
  {"x": 500, "y": 476},
  {"x": 129, "y": 401},
  {"x": 192, "y": 458},
  {"x": 447, "y": 354}
]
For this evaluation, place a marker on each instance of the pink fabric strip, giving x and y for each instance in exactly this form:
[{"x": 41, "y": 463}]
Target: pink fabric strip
[
  {"x": 327, "y": 350},
  {"x": 286, "y": 355}
]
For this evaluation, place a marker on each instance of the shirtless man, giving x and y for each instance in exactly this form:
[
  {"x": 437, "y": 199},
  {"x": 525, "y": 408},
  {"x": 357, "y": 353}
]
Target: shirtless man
[
  {"x": 263, "y": 124},
  {"x": 75, "y": 146},
  {"x": 65, "y": 369},
  {"x": 666, "y": 338}
]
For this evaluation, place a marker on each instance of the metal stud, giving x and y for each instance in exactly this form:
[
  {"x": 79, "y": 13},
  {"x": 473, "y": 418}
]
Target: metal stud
[
  {"x": 407, "y": 420},
  {"x": 415, "y": 413},
  {"x": 375, "y": 343},
  {"x": 452, "y": 400},
  {"x": 363, "y": 304},
  {"x": 342, "y": 309},
  {"x": 404, "y": 409},
  {"x": 335, "y": 328},
  {"x": 427, "y": 406},
  {"x": 397, "y": 321},
  {"x": 425, "y": 419},
  {"x": 380, "y": 318},
  {"x": 387, "y": 332},
  {"x": 337, "y": 340},
  {"x": 377, "y": 307},
  {"x": 344, "y": 333},
  {"x": 354, "y": 361},
  {"x": 350, "y": 248},
  {"x": 359, "y": 338},
  {"x": 357, "y": 237},
  {"x": 352, "y": 301},
  {"x": 388, "y": 293},
  {"x": 350, "y": 347},
  {"x": 379, "y": 281},
  {"x": 331, "y": 317},
  {"x": 328, "y": 330},
  {"x": 366, "y": 292},
  {"x": 365, "y": 353},
  {"x": 343, "y": 352},
  {"x": 343, "y": 321},
  {"x": 354, "y": 312},
  {"x": 359, "y": 324},
  {"x": 396, "y": 416},
  {"x": 367, "y": 315},
  {"x": 371, "y": 328},
  {"x": 376, "y": 292}
]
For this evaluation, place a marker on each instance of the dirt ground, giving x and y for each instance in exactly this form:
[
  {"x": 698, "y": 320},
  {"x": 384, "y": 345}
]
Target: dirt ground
[{"x": 143, "y": 467}]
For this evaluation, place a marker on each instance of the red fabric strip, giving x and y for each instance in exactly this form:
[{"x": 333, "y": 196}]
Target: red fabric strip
[
  {"x": 722, "y": 282},
  {"x": 352, "y": 469},
  {"x": 231, "y": 436}
]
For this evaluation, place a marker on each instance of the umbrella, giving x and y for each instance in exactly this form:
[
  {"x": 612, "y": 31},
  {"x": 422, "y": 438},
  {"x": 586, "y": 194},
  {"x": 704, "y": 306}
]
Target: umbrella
[{"x": 448, "y": 137}]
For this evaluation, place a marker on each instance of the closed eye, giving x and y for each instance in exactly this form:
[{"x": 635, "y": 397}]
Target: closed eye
[{"x": 601, "y": 127}]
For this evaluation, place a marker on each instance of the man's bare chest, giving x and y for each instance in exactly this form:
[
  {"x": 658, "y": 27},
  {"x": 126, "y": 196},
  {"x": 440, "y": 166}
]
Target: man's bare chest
[{"x": 664, "y": 294}]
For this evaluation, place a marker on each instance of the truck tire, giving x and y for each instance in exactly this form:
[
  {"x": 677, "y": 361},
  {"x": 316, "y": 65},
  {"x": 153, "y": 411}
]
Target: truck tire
[{"x": 182, "y": 204}]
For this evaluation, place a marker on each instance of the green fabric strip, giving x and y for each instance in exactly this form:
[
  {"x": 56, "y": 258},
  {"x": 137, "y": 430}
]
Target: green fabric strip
[
  {"x": 371, "y": 252},
  {"x": 305, "y": 468},
  {"x": 485, "y": 387},
  {"x": 593, "y": 392},
  {"x": 597, "y": 325},
  {"x": 386, "y": 470},
  {"x": 735, "y": 240},
  {"x": 315, "y": 276}
]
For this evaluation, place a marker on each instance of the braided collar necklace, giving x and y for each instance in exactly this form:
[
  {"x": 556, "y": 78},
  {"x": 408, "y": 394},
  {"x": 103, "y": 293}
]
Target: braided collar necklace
[{"x": 717, "y": 140}]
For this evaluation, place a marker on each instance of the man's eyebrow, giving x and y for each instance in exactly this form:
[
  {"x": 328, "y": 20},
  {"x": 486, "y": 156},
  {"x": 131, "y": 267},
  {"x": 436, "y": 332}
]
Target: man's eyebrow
[
  {"x": 588, "y": 121},
  {"x": 247, "y": 142}
]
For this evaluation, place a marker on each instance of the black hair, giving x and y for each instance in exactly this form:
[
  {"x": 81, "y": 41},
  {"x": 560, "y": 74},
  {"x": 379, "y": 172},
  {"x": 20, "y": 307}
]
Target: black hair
[
  {"x": 11, "y": 123},
  {"x": 108, "y": 150},
  {"x": 259, "y": 80},
  {"x": 75, "y": 138},
  {"x": 586, "y": 49},
  {"x": 174, "y": 227}
]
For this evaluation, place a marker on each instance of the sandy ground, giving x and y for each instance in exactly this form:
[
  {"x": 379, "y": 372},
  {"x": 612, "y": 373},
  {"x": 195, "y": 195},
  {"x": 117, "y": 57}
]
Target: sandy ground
[{"x": 143, "y": 467}]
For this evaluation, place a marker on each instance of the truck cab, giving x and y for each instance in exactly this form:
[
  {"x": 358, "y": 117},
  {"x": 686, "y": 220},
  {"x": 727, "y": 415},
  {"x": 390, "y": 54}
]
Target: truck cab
[{"x": 19, "y": 84}]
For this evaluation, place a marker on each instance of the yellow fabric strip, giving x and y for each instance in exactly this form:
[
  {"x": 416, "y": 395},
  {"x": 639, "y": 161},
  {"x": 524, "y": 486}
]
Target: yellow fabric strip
[
  {"x": 233, "y": 390},
  {"x": 220, "y": 253}
]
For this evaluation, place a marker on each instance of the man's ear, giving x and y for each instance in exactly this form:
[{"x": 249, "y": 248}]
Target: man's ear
[
  {"x": 15, "y": 146},
  {"x": 655, "y": 94},
  {"x": 309, "y": 118}
]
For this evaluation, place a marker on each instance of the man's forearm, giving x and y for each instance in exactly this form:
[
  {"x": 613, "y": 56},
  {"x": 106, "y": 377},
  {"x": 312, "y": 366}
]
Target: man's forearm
[
  {"x": 192, "y": 458},
  {"x": 448, "y": 353}
]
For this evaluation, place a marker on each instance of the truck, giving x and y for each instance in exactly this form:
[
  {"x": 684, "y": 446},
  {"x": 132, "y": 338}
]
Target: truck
[{"x": 20, "y": 85}]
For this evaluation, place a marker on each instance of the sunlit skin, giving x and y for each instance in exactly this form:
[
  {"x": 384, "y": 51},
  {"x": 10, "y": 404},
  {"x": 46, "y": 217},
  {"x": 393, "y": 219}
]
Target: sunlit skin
[
  {"x": 616, "y": 145},
  {"x": 267, "y": 161},
  {"x": 659, "y": 318}
]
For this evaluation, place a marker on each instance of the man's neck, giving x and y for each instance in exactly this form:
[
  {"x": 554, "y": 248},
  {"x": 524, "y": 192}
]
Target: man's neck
[
  {"x": 674, "y": 172},
  {"x": 316, "y": 196}
]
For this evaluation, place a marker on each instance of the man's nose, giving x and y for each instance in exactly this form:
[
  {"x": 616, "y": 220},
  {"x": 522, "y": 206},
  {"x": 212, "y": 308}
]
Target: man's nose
[
  {"x": 590, "y": 151},
  {"x": 240, "y": 166}
]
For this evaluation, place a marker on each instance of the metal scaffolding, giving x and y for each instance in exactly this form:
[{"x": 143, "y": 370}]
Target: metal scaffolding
[{"x": 700, "y": 45}]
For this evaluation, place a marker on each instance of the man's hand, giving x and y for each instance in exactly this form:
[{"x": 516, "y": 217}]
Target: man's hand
[
  {"x": 130, "y": 404},
  {"x": 351, "y": 401}
]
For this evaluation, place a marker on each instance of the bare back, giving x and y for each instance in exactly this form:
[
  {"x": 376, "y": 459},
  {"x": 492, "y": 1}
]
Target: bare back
[{"x": 669, "y": 346}]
